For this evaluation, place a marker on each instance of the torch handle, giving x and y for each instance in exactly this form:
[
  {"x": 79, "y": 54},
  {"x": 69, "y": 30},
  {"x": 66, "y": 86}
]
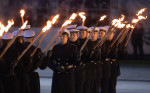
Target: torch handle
[
  {"x": 129, "y": 35},
  {"x": 22, "y": 20},
  {"x": 19, "y": 57},
  {"x": 106, "y": 37},
  {"x": 10, "y": 43},
  {"x": 89, "y": 37},
  {"x": 52, "y": 40},
  {"x": 51, "y": 48},
  {"x": 42, "y": 38},
  {"x": 121, "y": 32}
]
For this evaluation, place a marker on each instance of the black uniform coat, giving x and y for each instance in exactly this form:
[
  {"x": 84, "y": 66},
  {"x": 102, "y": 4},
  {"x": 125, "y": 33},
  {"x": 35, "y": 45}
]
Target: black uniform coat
[
  {"x": 62, "y": 57},
  {"x": 79, "y": 70},
  {"x": 33, "y": 75},
  {"x": 23, "y": 68},
  {"x": 9, "y": 79}
]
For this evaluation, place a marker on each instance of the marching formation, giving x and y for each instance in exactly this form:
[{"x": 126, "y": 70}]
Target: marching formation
[{"x": 84, "y": 61}]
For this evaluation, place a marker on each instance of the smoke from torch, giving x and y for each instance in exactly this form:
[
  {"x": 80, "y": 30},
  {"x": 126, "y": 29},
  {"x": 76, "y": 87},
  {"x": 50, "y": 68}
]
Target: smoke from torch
[{"x": 82, "y": 15}]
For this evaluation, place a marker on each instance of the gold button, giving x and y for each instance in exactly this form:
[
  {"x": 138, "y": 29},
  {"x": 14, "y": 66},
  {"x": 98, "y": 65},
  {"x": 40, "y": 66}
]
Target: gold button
[
  {"x": 111, "y": 62},
  {"x": 95, "y": 63}
]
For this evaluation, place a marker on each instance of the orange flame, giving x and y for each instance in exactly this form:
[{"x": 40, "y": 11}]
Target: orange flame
[
  {"x": 135, "y": 20},
  {"x": 2, "y": 29},
  {"x": 22, "y": 12},
  {"x": 142, "y": 17},
  {"x": 82, "y": 15},
  {"x": 48, "y": 26},
  {"x": 10, "y": 23},
  {"x": 141, "y": 11},
  {"x": 73, "y": 16},
  {"x": 117, "y": 22},
  {"x": 67, "y": 22},
  {"x": 102, "y": 18},
  {"x": 24, "y": 25},
  {"x": 55, "y": 18},
  {"x": 121, "y": 25}
]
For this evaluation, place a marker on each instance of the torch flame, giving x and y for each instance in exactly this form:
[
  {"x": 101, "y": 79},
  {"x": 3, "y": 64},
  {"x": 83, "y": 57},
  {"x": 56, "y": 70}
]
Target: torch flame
[
  {"x": 55, "y": 18},
  {"x": 22, "y": 12},
  {"x": 2, "y": 29},
  {"x": 10, "y": 23},
  {"x": 48, "y": 26},
  {"x": 135, "y": 20},
  {"x": 121, "y": 25},
  {"x": 24, "y": 25},
  {"x": 122, "y": 17},
  {"x": 141, "y": 17},
  {"x": 102, "y": 18},
  {"x": 73, "y": 16},
  {"x": 128, "y": 26},
  {"x": 82, "y": 15},
  {"x": 141, "y": 11},
  {"x": 67, "y": 22}
]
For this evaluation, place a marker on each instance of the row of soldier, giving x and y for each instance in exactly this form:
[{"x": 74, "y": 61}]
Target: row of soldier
[{"x": 94, "y": 71}]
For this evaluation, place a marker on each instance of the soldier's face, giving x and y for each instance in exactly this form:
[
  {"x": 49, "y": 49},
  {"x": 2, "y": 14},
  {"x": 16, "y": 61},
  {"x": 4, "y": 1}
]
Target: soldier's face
[
  {"x": 63, "y": 39},
  {"x": 110, "y": 37},
  {"x": 94, "y": 36},
  {"x": 101, "y": 34},
  {"x": 82, "y": 34},
  {"x": 87, "y": 34},
  {"x": 73, "y": 37}
]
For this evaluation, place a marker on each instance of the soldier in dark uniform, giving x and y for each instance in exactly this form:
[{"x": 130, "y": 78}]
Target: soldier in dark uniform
[
  {"x": 96, "y": 65},
  {"x": 62, "y": 59},
  {"x": 35, "y": 61},
  {"x": 115, "y": 53},
  {"x": 88, "y": 71},
  {"x": 105, "y": 62},
  {"x": 8, "y": 78},
  {"x": 23, "y": 65},
  {"x": 79, "y": 67}
]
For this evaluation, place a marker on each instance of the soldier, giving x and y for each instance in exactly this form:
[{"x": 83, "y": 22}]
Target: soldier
[
  {"x": 23, "y": 65},
  {"x": 79, "y": 67},
  {"x": 9, "y": 79},
  {"x": 88, "y": 71},
  {"x": 62, "y": 58},
  {"x": 35, "y": 61},
  {"x": 96, "y": 65},
  {"x": 115, "y": 53},
  {"x": 106, "y": 67}
]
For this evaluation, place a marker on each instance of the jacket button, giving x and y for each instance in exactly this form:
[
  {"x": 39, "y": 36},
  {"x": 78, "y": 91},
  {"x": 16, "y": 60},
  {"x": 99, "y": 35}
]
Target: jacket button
[
  {"x": 58, "y": 58},
  {"x": 111, "y": 62},
  {"x": 58, "y": 63},
  {"x": 66, "y": 63},
  {"x": 58, "y": 72}
]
